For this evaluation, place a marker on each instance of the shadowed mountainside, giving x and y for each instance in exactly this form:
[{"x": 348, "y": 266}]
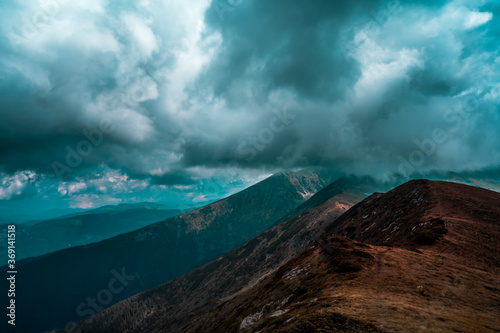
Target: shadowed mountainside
[
  {"x": 202, "y": 289},
  {"x": 423, "y": 257},
  {"x": 71, "y": 284}
]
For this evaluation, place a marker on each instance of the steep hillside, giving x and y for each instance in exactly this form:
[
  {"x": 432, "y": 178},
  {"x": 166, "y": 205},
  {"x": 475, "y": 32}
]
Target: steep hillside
[
  {"x": 424, "y": 257},
  {"x": 71, "y": 284},
  {"x": 351, "y": 188},
  {"x": 200, "y": 290}
]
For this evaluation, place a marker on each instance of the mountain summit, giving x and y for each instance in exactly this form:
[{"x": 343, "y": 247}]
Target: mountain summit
[{"x": 423, "y": 257}]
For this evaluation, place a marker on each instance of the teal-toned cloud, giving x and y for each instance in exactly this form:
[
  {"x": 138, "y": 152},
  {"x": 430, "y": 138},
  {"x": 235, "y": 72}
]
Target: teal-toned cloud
[{"x": 171, "y": 94}]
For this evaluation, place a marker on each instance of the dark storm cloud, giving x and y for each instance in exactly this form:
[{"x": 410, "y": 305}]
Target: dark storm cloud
[
  {"x": 371, "y": 83},
  {"x": 171, "y": 92},
  {"x": 284, "y": 44},
  {"x": 67, "y": 68}
]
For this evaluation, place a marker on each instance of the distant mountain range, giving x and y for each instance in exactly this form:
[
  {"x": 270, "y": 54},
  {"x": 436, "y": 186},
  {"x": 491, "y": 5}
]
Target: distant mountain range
[
  {"x": 14, "y": 216},
  {"x": 423, "y": 257},
  {"x": 57, "y": 286},
  {"x": 235, "y": 271},
  {"x": 242, "y": 240},
  {"x": 81, "y": 228}
]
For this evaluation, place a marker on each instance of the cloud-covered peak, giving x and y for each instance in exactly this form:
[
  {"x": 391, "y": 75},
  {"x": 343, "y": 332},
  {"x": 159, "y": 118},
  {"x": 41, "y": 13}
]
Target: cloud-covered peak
[{"x": 174, "y": 93}]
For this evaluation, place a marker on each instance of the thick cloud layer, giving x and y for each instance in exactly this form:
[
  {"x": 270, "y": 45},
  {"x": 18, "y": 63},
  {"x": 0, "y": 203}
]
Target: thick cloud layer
[
  {"x": 171, "y": 93},
  {"x": 375, "y": 87}
]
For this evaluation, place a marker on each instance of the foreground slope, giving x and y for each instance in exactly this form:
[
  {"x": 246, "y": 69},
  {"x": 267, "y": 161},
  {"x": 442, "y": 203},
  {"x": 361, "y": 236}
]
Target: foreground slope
[
  {"x": 74, "y": 283},
  {"x": 199, "y": 291},
  {"x": 424, "y": 257}
]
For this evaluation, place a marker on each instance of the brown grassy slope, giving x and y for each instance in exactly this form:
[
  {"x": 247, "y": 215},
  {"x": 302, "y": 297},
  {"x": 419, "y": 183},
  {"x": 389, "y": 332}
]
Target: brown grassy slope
[
  {"x": 173, "y": 305},
  {"x": 429, "y": 262}
]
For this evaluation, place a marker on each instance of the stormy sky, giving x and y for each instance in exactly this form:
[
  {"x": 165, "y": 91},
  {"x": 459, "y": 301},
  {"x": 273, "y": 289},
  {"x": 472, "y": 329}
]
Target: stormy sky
[{"x": 103, "y": 102}]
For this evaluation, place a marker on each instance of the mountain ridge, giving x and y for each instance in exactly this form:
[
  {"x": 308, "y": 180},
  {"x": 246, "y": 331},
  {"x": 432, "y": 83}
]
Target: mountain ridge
[
  {"x": 441, "y": 282},
  {"x": 242, "y": 268},
  {"x": 416, "y": 280},
  {"x": 156, "y": 253}
]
